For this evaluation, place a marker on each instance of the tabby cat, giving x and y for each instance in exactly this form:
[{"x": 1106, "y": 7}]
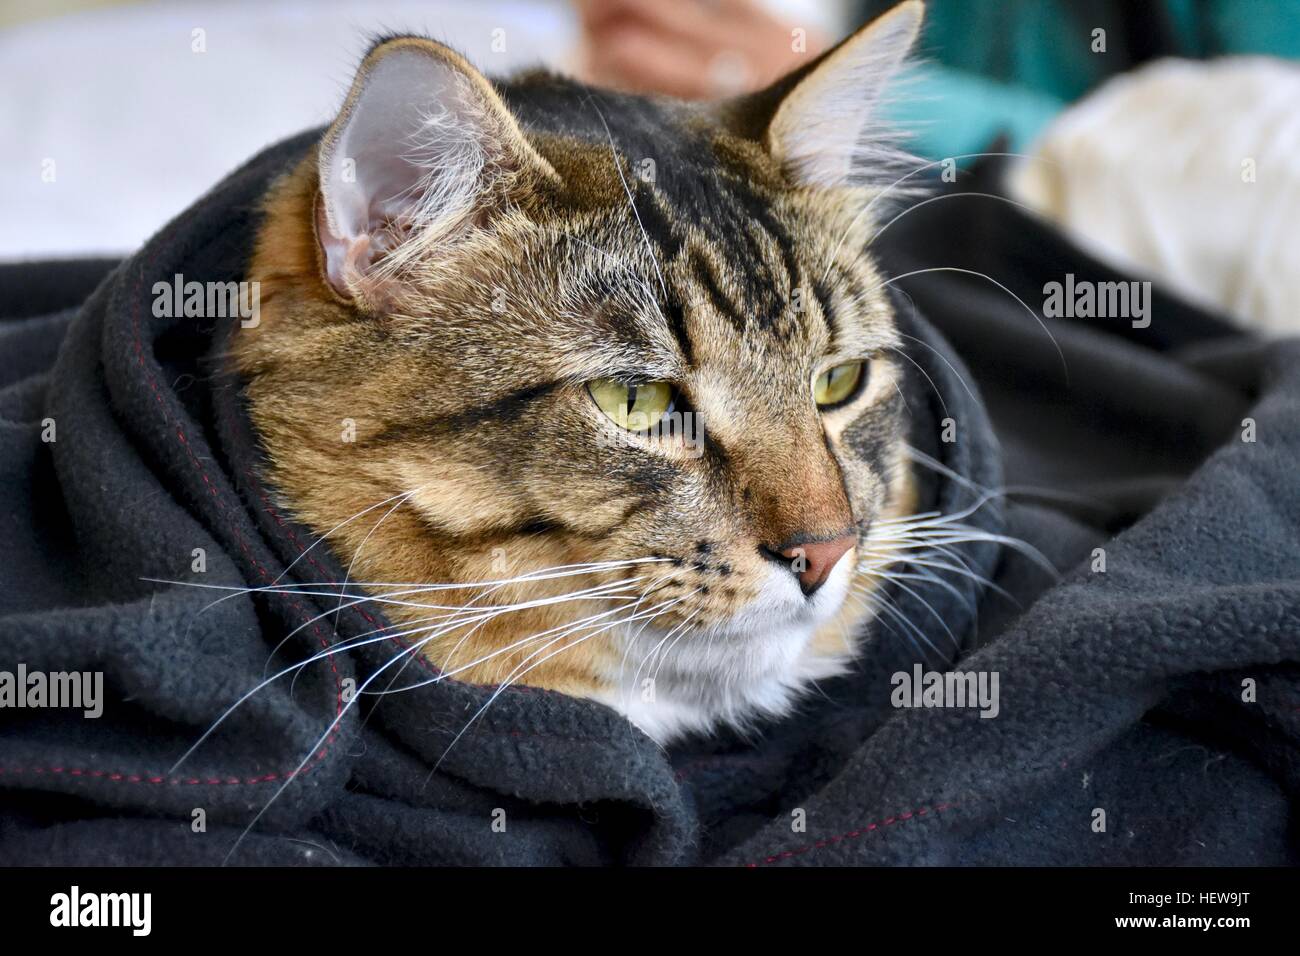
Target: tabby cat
[{"x": 616, "y": 372}]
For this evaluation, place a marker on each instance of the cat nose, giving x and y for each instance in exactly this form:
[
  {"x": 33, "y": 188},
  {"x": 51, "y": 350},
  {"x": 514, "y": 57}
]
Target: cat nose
[{"x": 812, "y": 562}]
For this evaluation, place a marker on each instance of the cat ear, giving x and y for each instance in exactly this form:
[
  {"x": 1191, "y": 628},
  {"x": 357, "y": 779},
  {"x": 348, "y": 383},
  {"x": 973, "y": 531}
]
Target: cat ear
[
  {"x": 826, "y": 126},
  {"x": 422, "y": 147}
]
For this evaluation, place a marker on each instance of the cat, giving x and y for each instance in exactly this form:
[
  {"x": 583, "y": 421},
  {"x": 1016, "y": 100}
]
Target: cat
[{"x": 615, "y": 371}]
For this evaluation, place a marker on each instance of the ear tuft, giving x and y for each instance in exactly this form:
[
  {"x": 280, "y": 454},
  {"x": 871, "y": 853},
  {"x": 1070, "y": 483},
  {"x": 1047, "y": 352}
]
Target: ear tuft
[
  {"x": 422, "y": 145},
  {"x": 827, "y": 130}
]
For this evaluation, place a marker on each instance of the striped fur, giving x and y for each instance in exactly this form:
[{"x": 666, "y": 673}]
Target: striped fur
[{"x": 465, "y": 384}]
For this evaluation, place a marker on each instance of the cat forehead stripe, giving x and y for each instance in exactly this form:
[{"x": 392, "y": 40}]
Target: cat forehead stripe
[{"x": 702, "y": 186}]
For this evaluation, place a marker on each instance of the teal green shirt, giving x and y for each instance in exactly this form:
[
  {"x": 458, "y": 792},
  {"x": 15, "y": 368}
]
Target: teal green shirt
[{"x": 1009, "y": 66}]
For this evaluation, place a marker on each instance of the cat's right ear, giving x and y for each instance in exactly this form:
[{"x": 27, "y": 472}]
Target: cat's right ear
[{"x": 422, "y": 149}]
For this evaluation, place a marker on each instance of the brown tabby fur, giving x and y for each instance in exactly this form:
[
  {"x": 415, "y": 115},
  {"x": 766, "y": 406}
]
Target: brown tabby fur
[{"x": 483, "y": 415}]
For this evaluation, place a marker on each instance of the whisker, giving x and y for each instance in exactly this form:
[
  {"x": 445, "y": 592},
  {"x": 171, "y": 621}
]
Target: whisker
[
  {"x": 897, "y": 580},
  {"x": 618, "y": 167},
  {"x": 347, "y": 574},
  {"x": 904, "y": 178},
  {"x": 938, "y": 394},
  {"x": 342, "y": 647},
  {"x": 631, "y": 640},
  {"x": 942, "y": 357},
  {"x": 618, "y": 262},
  {"x": 301, "y": 587},
  {"x": 902, "y": 618},
  {"x": 450, "y": 608},
  {"x": 671, "y": 631},
  {"x": 523, "y": 642},
  {"x": 480, "y": 616},
  {"x": 975, "y": 272},
  {"x": 926, "y": 202},
  {"x": 341, "y": 524},
  {"x": 513, "y": 678},
  {"x": 315, "y": 747},
  {"x": 913, "y": 560},
  {"x": 685, "y": 627}
]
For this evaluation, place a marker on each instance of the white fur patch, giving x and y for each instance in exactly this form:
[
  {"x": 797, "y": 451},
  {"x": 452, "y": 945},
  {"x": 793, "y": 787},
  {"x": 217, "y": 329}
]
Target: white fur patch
[{"x": 756, "y": 665}]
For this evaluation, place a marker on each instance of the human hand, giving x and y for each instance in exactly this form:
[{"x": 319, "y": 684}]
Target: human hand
[{"x": 694, "y": 49}]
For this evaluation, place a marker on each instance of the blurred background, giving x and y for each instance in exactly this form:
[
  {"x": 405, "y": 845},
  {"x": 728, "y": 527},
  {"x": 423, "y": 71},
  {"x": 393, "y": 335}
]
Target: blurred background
[{"x": 1142, "y": 124}]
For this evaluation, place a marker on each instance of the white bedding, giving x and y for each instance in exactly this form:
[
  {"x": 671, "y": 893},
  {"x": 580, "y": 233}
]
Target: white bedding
[
  {"x": 1190, "y": 173},
  {"x": 138, "y": 125}
]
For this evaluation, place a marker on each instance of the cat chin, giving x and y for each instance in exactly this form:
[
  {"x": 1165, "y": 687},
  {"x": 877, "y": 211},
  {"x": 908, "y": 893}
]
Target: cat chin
[{"x": 756, "y": 666}]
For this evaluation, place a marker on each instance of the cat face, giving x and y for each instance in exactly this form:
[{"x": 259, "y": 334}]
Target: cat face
[{"x": 617, "y": 375}]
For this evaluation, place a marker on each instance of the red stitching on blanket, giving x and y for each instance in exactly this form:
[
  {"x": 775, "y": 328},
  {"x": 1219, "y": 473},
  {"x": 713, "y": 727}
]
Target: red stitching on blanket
[
  {"x": 266, "y": 577},
  {"x": 288, "y": 529},
  {"x": 854, "y": 834}
]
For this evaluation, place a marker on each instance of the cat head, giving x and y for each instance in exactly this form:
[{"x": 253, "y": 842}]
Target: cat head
[{"x": 617, "y": 373}]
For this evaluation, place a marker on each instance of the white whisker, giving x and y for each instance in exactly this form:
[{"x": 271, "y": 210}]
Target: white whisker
[
  {"x": 904, "y": 178},
  {"x": 975, "y": 272},
  {"x": 618, "y": 167}
]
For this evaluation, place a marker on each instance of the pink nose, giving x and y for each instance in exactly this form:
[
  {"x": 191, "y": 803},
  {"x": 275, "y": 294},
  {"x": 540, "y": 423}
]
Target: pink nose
[{"x": 813, "y": 562}]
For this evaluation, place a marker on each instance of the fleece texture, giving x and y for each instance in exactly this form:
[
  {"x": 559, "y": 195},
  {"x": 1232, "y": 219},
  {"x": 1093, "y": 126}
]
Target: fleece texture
[{"x": 1120, "y": 690}]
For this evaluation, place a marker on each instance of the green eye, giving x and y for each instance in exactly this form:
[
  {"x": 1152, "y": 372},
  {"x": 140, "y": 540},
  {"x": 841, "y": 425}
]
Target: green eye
[
  {"x": 838, "y": 384},
  {"x": 634, "y": 407}
]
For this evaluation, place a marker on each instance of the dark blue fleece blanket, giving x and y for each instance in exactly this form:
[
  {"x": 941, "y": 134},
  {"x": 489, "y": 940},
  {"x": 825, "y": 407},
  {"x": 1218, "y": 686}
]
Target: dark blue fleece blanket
[{"x": 1148, "y": 713}]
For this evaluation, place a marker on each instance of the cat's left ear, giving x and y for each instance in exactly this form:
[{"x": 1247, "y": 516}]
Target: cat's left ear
[
  {"x": 823, "y": 122},
  {"x": 422, "y": 149}
]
